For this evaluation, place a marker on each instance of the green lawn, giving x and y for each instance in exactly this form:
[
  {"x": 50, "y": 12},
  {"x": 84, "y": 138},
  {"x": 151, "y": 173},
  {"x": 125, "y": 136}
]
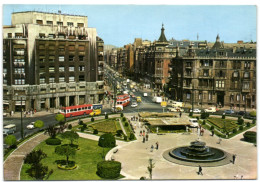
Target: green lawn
[
  {"x": 229, "y": 124},
  {"x": 86, "y": 158},
  {"x": 108, "y": 126}
]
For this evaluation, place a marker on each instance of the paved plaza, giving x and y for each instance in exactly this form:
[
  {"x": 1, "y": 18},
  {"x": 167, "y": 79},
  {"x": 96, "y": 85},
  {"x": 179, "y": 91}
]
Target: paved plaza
[{"x": 134, "y": 157}]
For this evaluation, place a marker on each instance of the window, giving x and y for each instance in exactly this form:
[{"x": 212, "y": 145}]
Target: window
[
  {"x": 210, "y": 96},
  {"x": 42, "y": 69},
  {"x": 61, "y": 69},
  {"x": 61, "y": 48},
  {"x": 71, "y": 47},
  {"x": 243, "y": 97},
  {"x": 5, "y": 81},
  {"x": 19, "y": 81},
  {"x": 4, "y": 70},
  {"x": 71, "y": 79},
  {"x": 235, "y": 74},
  {"x": 80, "y": 24},
  {"x": 51, "y": 80},
  {"x": 81, "y": 58},
  {"x": 59, "y": 23},
  {"x": 205, "y": 72},
  {"x": 238, "y": 97},
  {"x": 42, "y": 80},
  {"x": 81, "y": 48},
  {"x": 71, "y": 58},
  {"x": 231, "y": 98},
  {"x": 61, "y": 36},
  {"x": 61, "y": 79},
  {"x": 39, "y": 22},
  {"x": 246, "y": 85},
  {"x": 220, "y": 84},
  {"x": 81, "y": 68},
  {"x": 247, "y": 65},
  {"x": 51, "y": 36},
  {"x": 246, "y": 75},
  {"x": 19, "y": 52},
  {"x": 19, "y": 70},
  {"x": 70, "y": 24},
  {"x": 18, "y": 35},
  {"x": 49, "y": 22},
  {"x": 188, "y": 96},
  {"x": 81, "y": 78},
  {"x": 71, "y": 68},
  {"x": 51, "y": 69},
  {"x": 51, "y": 58},
  {"x": 9, "y": 35},
  {"x": 61, "y": 58},
  {"x": 206, "y": 63}
]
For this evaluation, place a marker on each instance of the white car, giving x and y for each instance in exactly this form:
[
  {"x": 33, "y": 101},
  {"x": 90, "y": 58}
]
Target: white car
[
  {"x": 194, "y": 122},
  {"x": 30, "y": 126},
  {"x": 134, "y": 105},
  {"x": 196, "y": 110},
  {"x": 211, "y": 110},
  {"x": 173, "y": 109}
]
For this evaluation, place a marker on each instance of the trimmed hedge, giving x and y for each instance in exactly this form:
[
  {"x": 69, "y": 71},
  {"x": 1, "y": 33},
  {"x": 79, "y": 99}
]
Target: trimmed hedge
[
  {"x": 204, "y": 115},
  {"x": 132, "y": 136},
  {"x": 70, "y": 127},
  {"x": 109, "y": 169},
  {"x": 122, "y": 114},
  {"x": 250, "y": 136},
  {"x": 247, "y": 124},
  {"x": 95, "y": 131},
  {"x": 125, "y": 137},
  {"x": 106, "y": 116},
  {"x": 107, "y": 140},
  {"x": 223, "y": 116},
  {"x": 53, "y": 141},
  {"x": 252, "y": 113},
  {"x": 126, "y": 124},
  {"x": 124, "y": 119}
]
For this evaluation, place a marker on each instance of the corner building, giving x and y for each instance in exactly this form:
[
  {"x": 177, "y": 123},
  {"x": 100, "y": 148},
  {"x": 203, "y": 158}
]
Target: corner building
[{"x": 51, "y": 60}]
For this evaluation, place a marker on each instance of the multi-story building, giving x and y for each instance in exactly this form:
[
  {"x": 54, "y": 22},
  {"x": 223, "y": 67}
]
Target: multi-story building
[
  {"x": 51, "y": 60},
  {"x": 218, "y": 76}
]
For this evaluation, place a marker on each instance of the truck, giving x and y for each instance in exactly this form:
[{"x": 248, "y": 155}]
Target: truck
[
  {"x": 145, "y": 94},
  {"x": 118, "y": 108},
  {"x": 9, "y": 129},
  {"x": 97, "y": 106},
  {"x": 157, "y": 99},
  {"x": 177, "y": 104}
]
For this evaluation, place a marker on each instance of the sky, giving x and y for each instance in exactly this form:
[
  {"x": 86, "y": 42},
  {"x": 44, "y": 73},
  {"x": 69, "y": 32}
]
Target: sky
[{"x": 120, "y": 24}]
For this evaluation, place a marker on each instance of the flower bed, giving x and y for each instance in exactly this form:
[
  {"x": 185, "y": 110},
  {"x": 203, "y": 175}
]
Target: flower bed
[
  {"x": 229, "y": 125},
  {"x": 72, "y": 165}
]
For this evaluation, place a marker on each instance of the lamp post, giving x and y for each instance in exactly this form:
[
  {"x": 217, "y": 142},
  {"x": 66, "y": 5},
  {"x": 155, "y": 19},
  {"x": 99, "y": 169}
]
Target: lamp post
[{"x": 21, "y": 118}]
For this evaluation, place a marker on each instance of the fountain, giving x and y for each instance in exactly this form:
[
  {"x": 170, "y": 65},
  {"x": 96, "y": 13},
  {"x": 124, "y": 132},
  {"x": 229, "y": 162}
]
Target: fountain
[{"x": 197, "y": 153}]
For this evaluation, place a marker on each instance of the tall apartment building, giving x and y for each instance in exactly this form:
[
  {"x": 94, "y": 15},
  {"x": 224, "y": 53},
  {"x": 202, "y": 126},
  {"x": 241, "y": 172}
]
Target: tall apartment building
[
  {"x": 51, "y": 60},
  {"x": 216, "y": 76}
]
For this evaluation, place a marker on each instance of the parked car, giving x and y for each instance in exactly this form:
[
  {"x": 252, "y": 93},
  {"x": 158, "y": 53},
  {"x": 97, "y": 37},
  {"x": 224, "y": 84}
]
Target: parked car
[
  {"x": 95, "y": 112},
  {"x": 145, "y": 94},
  {"x": 194, "y": 122},
  {"x": 134, "y": 105},
  {"x": 30, "y": 126},
  {"x": 229, "y": 111},
  {"x": 175, "y": 109},
  {"x": 211, "y": 110},
  {"x": 196, "y": 110},
  {"x": 9, "y": 129},
  {"x": 241, "y": 113}
]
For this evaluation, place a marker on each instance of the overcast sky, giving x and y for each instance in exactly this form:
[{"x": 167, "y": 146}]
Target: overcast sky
[{"x": 121, "y": 24}]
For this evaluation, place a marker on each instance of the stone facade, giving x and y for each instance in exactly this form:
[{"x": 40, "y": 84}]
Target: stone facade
[{"x": 51, "y": 60}]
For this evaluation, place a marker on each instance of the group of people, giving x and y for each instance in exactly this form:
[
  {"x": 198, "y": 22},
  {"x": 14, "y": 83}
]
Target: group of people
[
  {"x": 156, "y": 146},
  {"x": 29, "y": 112}
]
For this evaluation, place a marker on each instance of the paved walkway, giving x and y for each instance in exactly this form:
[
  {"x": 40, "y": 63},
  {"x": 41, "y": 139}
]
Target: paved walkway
[{"x": 14, "y": 162}]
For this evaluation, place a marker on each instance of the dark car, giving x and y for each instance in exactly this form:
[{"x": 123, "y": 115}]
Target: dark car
[
  {"x": 229, "y": 111},
  {"x": 241, "y": 113}
]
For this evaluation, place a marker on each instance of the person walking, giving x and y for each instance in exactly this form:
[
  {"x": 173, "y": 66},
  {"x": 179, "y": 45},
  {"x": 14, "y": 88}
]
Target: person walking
[
  {"x": 152, "y": 148},
  {"x": 212, "y": 133},
  {"x": 143, "y": 139},
  {"x": 234, "y": 158},
  {"x": 146, "y": 136},
  {"x": 157, "y": 145},
  {"x": 200, "y": 170},
  {"x": 202, "y": 132},
  {"x": 180, "y": 114}
]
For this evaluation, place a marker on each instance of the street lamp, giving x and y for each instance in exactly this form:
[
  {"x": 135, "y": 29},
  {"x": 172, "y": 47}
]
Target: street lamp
[{"x": 21, "y": 117}]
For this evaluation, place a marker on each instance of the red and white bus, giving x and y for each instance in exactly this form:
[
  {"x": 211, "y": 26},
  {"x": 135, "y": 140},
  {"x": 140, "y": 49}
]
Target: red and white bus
[
  {"x": 123, "y": 100},
  {"x": 76, "y": 110}
]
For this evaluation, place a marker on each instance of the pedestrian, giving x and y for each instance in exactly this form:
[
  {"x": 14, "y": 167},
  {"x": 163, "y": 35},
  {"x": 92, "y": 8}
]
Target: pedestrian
[
  {"x": 234, "y": 158},
  {"x": 141, "y": 133},
  {"x": 200, "y": 170},
  {"x": 146, "y": 137},
  {"x": 12, "y": 113},
  {"x": 180, "y": 114},
  {"x": 143, "y": 139},
  {"x": 212, "y": 133},
  {"x": 152, "y": 148},
  {"x": 202, "y": 132},
  {"x": 144, "y": 132},
  {"x": 157, "y": 145},
  {"x": 219, "y": 140}
]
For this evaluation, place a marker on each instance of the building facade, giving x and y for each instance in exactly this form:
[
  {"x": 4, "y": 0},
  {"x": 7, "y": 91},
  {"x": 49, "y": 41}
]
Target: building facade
[
  {"x": 51, "y": 60},
  {"x": 218, "y": 76}
]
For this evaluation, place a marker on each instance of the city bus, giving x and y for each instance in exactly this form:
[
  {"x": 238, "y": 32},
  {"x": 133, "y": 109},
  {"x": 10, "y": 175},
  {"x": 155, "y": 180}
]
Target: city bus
[
  {"x": 123, "y": 100},
  {"x": 78, "y": 110}
]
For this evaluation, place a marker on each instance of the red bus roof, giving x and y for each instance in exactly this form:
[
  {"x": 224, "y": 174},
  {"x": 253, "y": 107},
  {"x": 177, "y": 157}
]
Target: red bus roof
[
  {"x": 78, "y": 106},
  {"x": 123, "y": 96}
]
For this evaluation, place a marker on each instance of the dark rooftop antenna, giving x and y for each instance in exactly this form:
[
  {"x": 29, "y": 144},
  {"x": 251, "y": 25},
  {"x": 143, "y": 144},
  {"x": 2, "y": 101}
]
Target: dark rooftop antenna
[{"x": 197, "y": 36}]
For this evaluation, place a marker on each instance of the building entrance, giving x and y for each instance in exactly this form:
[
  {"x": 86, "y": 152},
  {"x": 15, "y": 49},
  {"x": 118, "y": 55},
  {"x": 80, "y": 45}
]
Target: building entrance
[{"x": 220, "y": 98}]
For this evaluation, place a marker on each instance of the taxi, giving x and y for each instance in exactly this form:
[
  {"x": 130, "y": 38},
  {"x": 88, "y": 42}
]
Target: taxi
[
  {"x": 95, "y": 112},
  {"x": 138, "y": 99}
]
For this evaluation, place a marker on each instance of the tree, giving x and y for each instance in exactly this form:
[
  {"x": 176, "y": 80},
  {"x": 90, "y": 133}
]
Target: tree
[
  {"x": 52, "y": 131},
  {"x": 65, "y": 150},
  {"x": 37, "y": 170},
  {"x": 70, "y": 135},
  {"x": 10, "y": 140},
  {"x": 107, "y": 140},
  {"x": 59, "y": 118},
  {"x": 150, "y": 168},
  {"x": 39, "y": 124}
]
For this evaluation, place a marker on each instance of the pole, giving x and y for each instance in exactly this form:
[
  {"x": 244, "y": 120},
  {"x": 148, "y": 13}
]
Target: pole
[
  {"x": 192, "y": 98},
  {"x": 21, "y": 118}
]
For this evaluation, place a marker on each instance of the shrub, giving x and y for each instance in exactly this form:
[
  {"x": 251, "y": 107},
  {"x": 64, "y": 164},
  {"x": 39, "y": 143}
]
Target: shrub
[
  {"x": 124, "y": 119},
  {"x": 84, "y": 125},
  {"x": 59, "y": 117},
  {"x": 132, "y": 136},
  {"x": 82, "y": 129},
  {"x": 240, "y": 121},
  {"x": 223, "y": 116},
  {"x": 212, "y": 128},
  {"x": 10, "y": 140},
  {"x": 247, "y": 124},
  {"x": 125, "y": 137},
  {"x": 241, "y": 128},
  {"x": 252, "y": 113},
  {"x": 39, "y": 124},
  {"x": 142, "y": 178},
  {"x": 53, "y": 141},
  {"x": 126, "y": 124},
  {"x": 95, "y": 131},
  {"x": 191, "y": 113},
  {"x": 234, "y": 130},
  {"x": 106, "y": 116},
  {"x": 250, "y": 136},
  {"x": 92, "y": 119},
  {"x": 107, "y": 140},
  {"x": 70, "y": 127},
  {"x": 119, "y": 133},
  {"x": 204, "y": 115},
  {"x": 254, "y": 121},
  {"x": 80, "y": 122},
  {"x": 109, "y": 169},
  {"x": 122, "y": 114},
  {"x": 204, "y": 122}
]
